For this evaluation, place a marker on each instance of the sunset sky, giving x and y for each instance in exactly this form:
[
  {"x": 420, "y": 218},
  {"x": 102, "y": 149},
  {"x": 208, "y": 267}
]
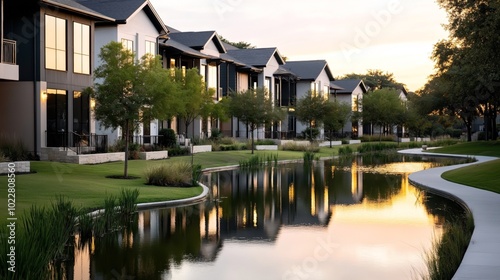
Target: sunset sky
[{"x": 396, "y": 36}]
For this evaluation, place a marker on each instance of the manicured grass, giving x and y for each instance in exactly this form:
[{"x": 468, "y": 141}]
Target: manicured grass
[
  {"x": 482, "y": 176},
  {"x": 481, "y": 148},
  {"x": 85, "y": 185}
]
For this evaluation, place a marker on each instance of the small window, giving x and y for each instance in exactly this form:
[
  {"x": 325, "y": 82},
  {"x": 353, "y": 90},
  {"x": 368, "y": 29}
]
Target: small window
[
  {"x": 151, "y": 47},
  {"x": 128, "y": 44}
]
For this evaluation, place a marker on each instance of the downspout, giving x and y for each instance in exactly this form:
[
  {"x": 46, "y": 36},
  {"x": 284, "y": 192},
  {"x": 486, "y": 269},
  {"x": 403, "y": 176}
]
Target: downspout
[
  {"x": 35, "y": 93},
  {"x": 1, "y": 31}
]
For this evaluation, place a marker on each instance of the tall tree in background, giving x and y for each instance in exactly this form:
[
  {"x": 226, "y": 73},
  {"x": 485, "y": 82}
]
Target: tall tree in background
[
  {"x": 383, "y": 108},
  {"x": 471, "y": 52},
  {"x": 254, "y": 108},
  {"x": 126, "y": 91},
  {"x": 239, "y": 45},
  {"x": 375, "y": 79},
  {"x": 310, "y": 110}
]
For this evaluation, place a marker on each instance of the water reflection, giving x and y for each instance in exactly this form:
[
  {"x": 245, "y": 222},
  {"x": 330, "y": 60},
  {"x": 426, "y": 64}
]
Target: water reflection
[{"x": 360, "y": 215}]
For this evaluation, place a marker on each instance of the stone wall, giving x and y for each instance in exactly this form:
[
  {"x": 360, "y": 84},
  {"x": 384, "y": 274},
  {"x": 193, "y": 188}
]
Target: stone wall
[
  {"x": 153, "y": 155},
  {"x": 202, "y": 149},
  {"x": 20, "y": 167},
  {"x": 266, "y": 147}
]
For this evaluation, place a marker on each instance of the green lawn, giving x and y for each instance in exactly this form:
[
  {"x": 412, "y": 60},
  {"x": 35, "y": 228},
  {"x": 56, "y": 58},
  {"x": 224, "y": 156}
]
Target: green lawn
[
  {"x": 481, "y": 148},
  {"x": 87, "y": 185},
  {"x": 482, "y": 176}
]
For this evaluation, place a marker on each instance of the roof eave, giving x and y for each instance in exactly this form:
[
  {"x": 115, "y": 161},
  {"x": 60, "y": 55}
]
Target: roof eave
[{"x": 94, "y": 14}]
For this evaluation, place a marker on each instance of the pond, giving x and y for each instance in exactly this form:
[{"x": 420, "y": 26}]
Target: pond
[{"x": 355, "y": 218}]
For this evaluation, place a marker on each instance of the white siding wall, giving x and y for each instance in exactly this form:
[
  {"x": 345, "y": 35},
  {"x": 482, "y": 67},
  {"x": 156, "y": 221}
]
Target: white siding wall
[{"x": 138, "y": 29}]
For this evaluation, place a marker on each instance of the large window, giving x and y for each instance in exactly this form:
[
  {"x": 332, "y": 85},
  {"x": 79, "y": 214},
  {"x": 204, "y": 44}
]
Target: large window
[
  {"x": 81, "y": 44},
  {"x": 55, "y": 43},
  {"x": 57, "y": 118},
  {"x": 151, "y": 47}
]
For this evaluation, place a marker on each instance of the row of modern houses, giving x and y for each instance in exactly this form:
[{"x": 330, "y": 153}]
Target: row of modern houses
[{"x": 50, "y": 48}]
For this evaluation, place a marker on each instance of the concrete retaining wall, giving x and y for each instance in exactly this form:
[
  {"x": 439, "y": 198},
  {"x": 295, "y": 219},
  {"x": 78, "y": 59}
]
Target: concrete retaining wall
[
  {"x": 19, "y": 166},
  {"x": 327, "y": 143},
  {"x": 202, "y": 149},
  {"x": 153, "y": 155},
  {"x": 266, "y": 147}
]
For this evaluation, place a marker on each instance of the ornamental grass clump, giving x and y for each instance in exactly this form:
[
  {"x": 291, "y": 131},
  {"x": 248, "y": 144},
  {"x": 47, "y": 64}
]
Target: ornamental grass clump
[{"x": 177, "y": 174}]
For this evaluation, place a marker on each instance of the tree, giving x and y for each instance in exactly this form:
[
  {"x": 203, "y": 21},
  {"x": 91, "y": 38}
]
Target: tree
[
  {"x": 125, "y": 91},
  {"x": 335, "y": 117},
  {"x": 239, "y": 45},
  {"x": 383, "y": 108},
  {"x": 472, "y": 48},
  {"x": 195, "y": 98},
  {"x": 375, "y": 79},
  {"x": 310, "y": 110},
  {"x": 254, "y": 108}
]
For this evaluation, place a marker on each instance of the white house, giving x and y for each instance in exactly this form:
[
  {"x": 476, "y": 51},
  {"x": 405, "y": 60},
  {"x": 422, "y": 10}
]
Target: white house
[
  {"x": 312, "y": 76},
  {"x": 350, "y": 92},
  {"x": 138, "y": 27}
]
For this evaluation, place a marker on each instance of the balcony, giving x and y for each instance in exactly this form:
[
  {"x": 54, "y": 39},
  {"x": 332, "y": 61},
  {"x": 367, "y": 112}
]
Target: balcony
[{"x": 9, "y": 70}]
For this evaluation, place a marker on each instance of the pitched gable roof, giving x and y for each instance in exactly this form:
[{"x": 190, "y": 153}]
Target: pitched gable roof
[
  {"x": 122, "y": 10},
  {"x": 74, "y": 6},
  {"x": 182, "y": 49},
  {"x": 309, "y": 69},
  {"x": 198, "y": 39},
  {"x": 258, "y": 57},
  {"x": 348, "y": 86}
]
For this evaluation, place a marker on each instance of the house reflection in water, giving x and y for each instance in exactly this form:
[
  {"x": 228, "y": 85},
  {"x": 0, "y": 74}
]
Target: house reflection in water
[{"x": 246, "y": 206}]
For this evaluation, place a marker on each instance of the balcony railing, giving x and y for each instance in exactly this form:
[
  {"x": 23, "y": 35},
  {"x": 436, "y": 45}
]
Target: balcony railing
[{"x": 9, "y": 52}]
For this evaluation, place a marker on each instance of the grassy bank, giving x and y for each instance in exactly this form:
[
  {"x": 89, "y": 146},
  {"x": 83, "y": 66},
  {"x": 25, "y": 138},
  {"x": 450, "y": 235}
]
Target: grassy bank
[
  {"x": 87, "y": 186},
  {"x": 482, "y": 176}
]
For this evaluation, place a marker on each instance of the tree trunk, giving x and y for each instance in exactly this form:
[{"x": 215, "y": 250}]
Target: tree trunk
[
  {"x": 251, "y": 132},
  {"x": 494, "y": 124},
  {"x": 468, "y": 125},
  {"x": 125, "y": 168}
]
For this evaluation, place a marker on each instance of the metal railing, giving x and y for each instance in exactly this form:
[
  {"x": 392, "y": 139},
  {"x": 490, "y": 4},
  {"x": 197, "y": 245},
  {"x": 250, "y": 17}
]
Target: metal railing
[
  {"x": 9, "y": 55},
  {"x": 145, "y": 140},
  {"x": 78, "y": 143}
]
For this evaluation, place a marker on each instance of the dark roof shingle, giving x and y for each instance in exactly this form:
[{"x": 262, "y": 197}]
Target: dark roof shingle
[
  {"x": 309, "y": 69},
  {"x": 349, "y": 86},
  {"x": 118, "y": 9},
  {"x": 256, "y": 57}
]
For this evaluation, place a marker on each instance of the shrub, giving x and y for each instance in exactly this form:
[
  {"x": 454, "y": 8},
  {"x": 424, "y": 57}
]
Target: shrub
[
  {"x": 133, "y": 148},
  {"x": 177, "y": 174},
  {"x": 308, "y": 156},
  {"x": 308, "y": 132},
  {"x": 345, "y": 151},
  {"x": 13, "y": 149},
  {"x": 168, "y": 139},
  {"x": 376, "y": 138},
  {"x": 216, "y": 134},
  {"x": 178, "y": 151},
  {"x": 376, "y": 147},
  {"x": 292, "y": 146},
  {"x": 265, "y": 142}
]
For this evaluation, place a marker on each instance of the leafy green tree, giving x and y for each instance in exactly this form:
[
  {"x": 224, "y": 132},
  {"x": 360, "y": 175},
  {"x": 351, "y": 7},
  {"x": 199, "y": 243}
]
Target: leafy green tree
[
  {"x": 383, "y": 108},
  {"x": 125, "y": 92},
  {"x": 471, "y": 50},
  {"x": 195, "y": 99},
  {"x": 310, "y": 110},
  {"x": 254, "y": 108},
  {"x": 335, "y": 117}
]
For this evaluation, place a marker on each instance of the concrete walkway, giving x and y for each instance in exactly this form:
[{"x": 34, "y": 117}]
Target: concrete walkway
[{"x": 482, "y": 259}]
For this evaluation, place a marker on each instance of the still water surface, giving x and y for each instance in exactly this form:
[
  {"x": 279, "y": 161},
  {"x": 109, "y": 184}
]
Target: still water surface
[{"x": 343, "y": 219}]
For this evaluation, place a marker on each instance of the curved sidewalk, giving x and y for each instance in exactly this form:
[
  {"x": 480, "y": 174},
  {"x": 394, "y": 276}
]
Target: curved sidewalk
[{"x": 482, "y": 258}]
